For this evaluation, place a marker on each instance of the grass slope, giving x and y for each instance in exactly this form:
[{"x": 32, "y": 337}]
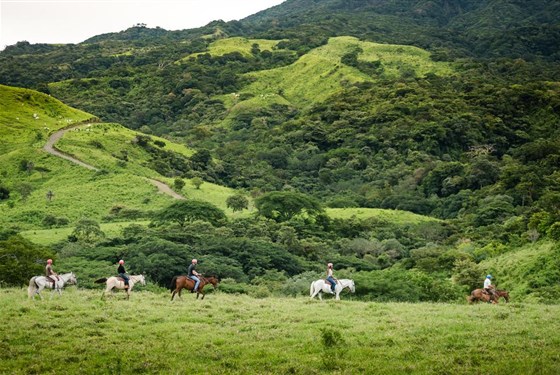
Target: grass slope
[
  {"x": 320, "y": 73},
  {"x": 392, "y": 216},
  {"x": 241, "y": 335},
  {"x": 78, "y": 192},
  {"x": 27, "y": 117},
  {"x": 527, "y": 269},
  {"x": 236, "y": 44}
]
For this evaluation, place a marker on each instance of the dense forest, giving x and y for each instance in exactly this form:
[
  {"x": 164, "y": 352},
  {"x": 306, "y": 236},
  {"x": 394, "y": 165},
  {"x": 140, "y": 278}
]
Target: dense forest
[{"x": 474, "y": 142}]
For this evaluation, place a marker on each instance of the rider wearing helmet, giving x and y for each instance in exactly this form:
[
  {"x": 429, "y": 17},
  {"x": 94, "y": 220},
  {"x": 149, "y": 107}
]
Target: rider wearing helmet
[
  {"x": 51, "y": 275},
  {"x": 488, "y": 287},
  {"x": 330, "y": 277},
  {"x": 191, "y": 272},
  {"x": 122, "y": 273}
]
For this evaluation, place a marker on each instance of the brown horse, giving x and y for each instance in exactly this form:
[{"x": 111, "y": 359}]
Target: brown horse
[
  {"x": 178, "y": 283},
  {"x": 480, "y": 295},
  {"x": 502, "y": 293}
]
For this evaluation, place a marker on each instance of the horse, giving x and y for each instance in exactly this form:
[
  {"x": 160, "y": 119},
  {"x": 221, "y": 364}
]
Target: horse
[
  {"x": 321, "y": 286},
  {"x": 178, "y": 283},
  {"x": 502, "y": 294},
  {"x": 480, "y": 295},
  {"x": 38, "y": 283},
  {"x": 118, "y": 283}
]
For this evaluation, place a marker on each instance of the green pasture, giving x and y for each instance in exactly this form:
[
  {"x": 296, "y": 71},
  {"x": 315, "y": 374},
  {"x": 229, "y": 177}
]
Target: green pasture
[
  {"x": 240, "y": 45},
  {"x": 27, "y": 117},
  {"x": 229, "y": 334},
  {"x": 320, "y": 73},
  {"x": 397, "y": 217},
  {"x": 54, "y": 235},
  {"x": 112, "y": 147}
]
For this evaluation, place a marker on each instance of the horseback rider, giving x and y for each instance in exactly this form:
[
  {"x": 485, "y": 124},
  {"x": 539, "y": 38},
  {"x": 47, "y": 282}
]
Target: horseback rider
[
  {"x": 122, "y": 273},
  {"x": 51, "y": 275},
  {"x": 489, "y": 288},
  {"x": 191, "y": 272},
  {"x": 330, "y": 277}
]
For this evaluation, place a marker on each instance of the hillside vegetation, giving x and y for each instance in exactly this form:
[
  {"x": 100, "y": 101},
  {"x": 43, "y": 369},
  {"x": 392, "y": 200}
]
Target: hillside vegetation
[{"x": 297, "y": 126}]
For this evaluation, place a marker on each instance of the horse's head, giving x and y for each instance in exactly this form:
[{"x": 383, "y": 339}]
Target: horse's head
[
  {"x": 213, "y": 280},
  {"x": 72, "y": 279},
  {"x": 142, "y": 279},
  {"x": 352, "y": 286}
]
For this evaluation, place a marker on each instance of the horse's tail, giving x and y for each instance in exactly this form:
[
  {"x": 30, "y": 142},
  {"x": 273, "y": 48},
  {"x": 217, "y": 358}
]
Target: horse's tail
[
  {"x": 32, "y": 287},
  {"x": 101, "y": 280},
  {"x": 312, "y": 289},
  {"x": 173, "y": 285}
]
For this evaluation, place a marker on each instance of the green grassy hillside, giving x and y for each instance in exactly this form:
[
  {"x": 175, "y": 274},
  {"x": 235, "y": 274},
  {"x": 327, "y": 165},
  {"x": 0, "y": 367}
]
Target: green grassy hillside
[
  {"x": 527, "y": 271},
  {"x": 27, "y": 117},
  {"x": 320, "y": 73},
  {"x": 242, "y": 335},
  {"x": 240, "y": 45}
]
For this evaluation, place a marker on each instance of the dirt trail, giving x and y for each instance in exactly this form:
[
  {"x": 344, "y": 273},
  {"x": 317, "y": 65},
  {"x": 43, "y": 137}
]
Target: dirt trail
[{"x": 50, "y": 148}]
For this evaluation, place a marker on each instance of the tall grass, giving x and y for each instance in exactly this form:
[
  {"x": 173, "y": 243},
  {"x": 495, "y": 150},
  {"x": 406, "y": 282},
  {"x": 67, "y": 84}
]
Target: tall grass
[{"x": 227, "y": 334}]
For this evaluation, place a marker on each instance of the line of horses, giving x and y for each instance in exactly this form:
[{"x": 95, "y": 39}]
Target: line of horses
[{"x": 178, "y": 283}]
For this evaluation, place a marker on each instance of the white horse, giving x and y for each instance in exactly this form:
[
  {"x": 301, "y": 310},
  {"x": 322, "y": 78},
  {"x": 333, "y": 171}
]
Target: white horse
[
  {"x": 321, "y": 286},
  {"x": 118, "y": 283},
  {"x": 38, "y": 283}
]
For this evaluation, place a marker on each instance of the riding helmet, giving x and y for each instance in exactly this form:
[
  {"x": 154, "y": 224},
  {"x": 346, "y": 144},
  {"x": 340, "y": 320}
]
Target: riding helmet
[
  {"x": 488, "y": 276},
  {"x": 49, "y": 261}
]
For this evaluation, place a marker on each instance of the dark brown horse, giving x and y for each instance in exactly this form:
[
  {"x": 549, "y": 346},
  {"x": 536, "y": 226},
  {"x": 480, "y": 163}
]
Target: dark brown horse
[
  {"x": 183, "y": 282},
  {"x": 480, "y": 295}
]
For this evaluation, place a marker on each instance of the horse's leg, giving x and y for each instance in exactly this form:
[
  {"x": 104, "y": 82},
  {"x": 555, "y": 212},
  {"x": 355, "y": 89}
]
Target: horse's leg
[
  {"x": 320, "y": 295},
  {"x": 173, "y": 294}
]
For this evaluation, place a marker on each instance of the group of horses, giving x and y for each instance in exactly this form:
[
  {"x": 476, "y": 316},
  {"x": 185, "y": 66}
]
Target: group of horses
[{"x": 178, "y": 283}]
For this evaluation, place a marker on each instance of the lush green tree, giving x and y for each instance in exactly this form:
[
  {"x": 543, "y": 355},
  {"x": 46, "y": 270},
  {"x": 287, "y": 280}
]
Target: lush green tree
[
  {"x": 185, "y": 211},
  {"x": 20, "y": 260},
  {"x": 197, "y": 182},
  {"x": 237, "y": 202},
  {"x": 87, "y": 231},
  {"x": 179, "y": 184},
  {"x": 282, "y": 206}
]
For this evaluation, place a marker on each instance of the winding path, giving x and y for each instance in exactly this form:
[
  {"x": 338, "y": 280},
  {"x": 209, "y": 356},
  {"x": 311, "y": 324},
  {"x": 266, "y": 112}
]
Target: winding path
[{"x": 50, "y": 148}]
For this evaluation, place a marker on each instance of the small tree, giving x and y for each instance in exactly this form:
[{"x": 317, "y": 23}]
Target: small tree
[
  {"x": 25, "y": 190},
  {"x": 237, "y": 202},
  {"x": 197, "y": 181},
  {"x": 4, "y": 193},
  {"x": 179, "y": 184},
  {"x": 88, "y": 231}
]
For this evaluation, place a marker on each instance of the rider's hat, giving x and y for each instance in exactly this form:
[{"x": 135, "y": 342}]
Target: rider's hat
[
  {"x": 488, "y": 276},
  {"x": 49, "y": 261},
  {"x": 121, "y": 261}
]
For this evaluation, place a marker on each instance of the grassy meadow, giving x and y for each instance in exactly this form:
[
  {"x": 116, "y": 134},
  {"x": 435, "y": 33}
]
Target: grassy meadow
[
  {"x": 320, "y": 73},
  {"x": 240, "y": 45},
  {"x": 229, "y": 334}
]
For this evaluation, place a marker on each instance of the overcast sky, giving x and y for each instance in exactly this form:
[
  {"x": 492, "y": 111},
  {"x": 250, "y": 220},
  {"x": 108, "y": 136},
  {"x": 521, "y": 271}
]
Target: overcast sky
[{"x": 73, "y": 21}]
